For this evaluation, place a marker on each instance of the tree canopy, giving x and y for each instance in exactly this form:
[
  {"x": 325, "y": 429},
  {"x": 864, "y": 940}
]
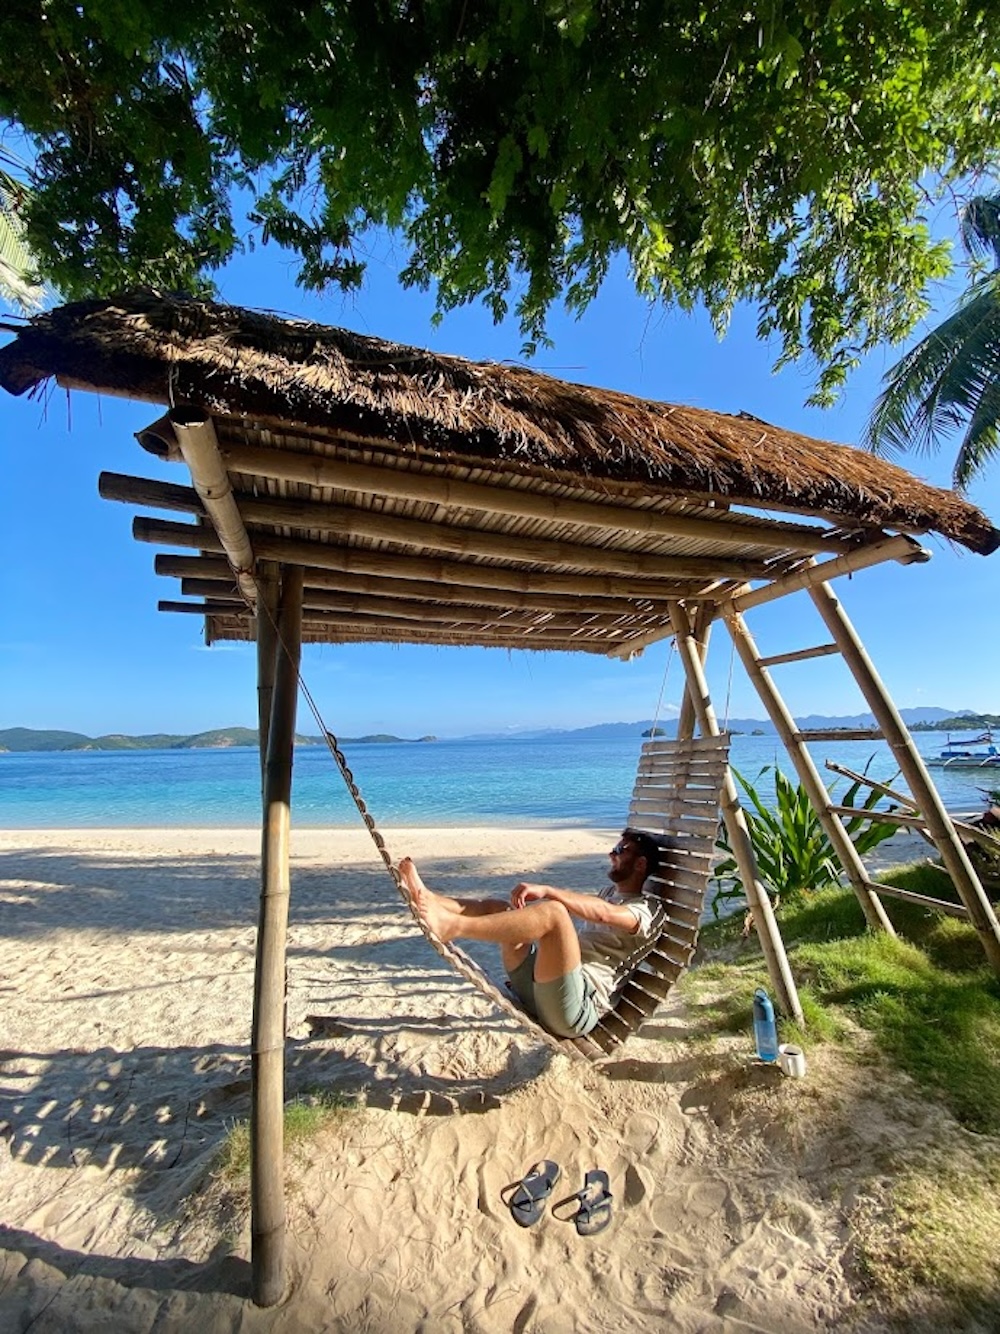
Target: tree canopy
[{"x": 731, "y": 152}]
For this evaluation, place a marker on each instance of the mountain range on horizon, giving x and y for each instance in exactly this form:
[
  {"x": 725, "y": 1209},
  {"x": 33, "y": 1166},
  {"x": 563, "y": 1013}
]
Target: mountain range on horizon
[{"x": 26, "y": 739}]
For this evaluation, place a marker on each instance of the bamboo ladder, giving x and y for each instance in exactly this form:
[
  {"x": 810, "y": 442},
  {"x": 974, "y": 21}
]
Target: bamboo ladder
[{"x": 926, "y": 802}]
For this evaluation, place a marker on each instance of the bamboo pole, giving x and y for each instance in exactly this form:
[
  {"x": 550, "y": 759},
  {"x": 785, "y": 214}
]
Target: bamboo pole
[
  {"x": 899, "y": 547},
  {"x": 196, "y": 438},
  {"x": 809, "y": 777},
  {"x": 702, "y": 630},
  {"x": 371, "y": 609},
  {"x": 908, "y": 758},
  {"x": 268, "y": 589},
  {"x": 217, "y": 569},
  {"x": 319, "y": 470},
  {"x": 736, "y": 826},
  {"x": 345, "y": 522},
  {"x": 268, "y": 1033},
  {"x": 358, "y": 560}
]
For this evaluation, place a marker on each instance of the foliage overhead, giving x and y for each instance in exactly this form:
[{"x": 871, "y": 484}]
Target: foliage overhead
[
  {"x": 730, "y": 151},
  {"x": 950, "y": 381}
]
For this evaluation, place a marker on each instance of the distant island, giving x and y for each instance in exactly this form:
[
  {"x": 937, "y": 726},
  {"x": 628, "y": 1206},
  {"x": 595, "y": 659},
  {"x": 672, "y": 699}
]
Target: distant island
[
  {"x": 923, "y": 719},
  {"x": 20, "y": 739}
]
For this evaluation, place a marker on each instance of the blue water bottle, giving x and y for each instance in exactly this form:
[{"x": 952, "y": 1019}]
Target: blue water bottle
[{"x": 765, "y": 1030}]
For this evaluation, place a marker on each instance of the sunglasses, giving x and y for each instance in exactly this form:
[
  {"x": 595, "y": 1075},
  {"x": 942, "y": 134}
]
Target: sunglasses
[{"x": 619, "y": 848}]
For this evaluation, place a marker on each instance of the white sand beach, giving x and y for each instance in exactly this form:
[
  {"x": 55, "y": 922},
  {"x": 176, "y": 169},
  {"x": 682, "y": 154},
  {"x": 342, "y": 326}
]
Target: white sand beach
[{"x": 127, "y": 980}]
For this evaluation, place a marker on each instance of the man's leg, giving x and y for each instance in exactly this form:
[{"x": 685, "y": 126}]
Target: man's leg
[{"x": 545, "y": 923}]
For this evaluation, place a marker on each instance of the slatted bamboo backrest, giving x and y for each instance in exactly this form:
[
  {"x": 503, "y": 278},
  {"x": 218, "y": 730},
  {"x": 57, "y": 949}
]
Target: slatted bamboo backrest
[
  {"x": 678, "y": 790},
  {"x": 676, "y": 799}
]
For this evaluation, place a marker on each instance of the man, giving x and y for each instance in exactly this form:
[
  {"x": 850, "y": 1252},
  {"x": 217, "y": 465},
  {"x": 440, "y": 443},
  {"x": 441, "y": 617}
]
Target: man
[{"x": 565, "y": 953}]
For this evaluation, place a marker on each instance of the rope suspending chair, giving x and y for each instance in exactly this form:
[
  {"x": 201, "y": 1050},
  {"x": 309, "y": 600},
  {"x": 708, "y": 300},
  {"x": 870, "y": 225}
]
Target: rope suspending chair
[{"x": 676, "y": 800}]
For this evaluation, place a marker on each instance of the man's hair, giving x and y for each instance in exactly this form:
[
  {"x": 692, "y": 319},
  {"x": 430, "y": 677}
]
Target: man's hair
[{"x": 647, "y": 847}]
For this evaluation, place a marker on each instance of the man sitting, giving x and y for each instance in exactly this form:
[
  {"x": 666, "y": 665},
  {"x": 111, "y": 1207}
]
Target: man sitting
[{"x": 566, "y": 953}]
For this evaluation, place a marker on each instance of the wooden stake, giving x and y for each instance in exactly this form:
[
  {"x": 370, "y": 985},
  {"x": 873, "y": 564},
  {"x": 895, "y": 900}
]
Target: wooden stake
[
  {"x": 736, "y": 826},
  {"x": 267, "y": 1045},
  {"x": 702, "y": 630}
]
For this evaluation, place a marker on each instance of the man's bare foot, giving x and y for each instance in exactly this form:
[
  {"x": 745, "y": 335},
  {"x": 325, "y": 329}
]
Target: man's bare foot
[{"x": 433, "y": 911}]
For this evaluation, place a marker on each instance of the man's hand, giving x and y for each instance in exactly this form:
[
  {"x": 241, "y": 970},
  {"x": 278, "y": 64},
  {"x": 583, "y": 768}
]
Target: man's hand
[{"x": 525, "y": 893}]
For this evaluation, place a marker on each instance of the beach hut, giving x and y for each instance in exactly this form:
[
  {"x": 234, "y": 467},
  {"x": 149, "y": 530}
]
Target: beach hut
[{"x": 346, "y": 489}]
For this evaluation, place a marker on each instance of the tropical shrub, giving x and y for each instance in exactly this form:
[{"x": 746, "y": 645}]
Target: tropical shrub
[{"x": 794, "y": 855}]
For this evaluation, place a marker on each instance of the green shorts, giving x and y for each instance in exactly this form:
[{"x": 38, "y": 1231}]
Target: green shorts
[{"x": 566, "y": 1007}]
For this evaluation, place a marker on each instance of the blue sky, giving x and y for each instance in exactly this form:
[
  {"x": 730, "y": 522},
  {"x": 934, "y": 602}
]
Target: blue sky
[{"x": 82, "y": 646}]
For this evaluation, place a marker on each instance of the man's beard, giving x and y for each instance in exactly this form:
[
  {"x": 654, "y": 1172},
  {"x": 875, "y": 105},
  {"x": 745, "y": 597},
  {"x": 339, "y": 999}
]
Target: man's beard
[{"x": 617, "y": 874}]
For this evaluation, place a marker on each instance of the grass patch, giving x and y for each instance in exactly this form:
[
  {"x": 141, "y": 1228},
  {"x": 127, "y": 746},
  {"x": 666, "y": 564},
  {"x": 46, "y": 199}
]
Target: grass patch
[
  {"x": 305, "y": 1116},
  {"x": 929, "y": 998},
  {"x": 934, "y": 1232}
]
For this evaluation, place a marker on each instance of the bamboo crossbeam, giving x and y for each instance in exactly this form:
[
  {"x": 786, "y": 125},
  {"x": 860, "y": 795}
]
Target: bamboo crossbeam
[
  {"x": 216, "y": 569},
  {"x": 924, "y": 900},
  {"x": 837, "y": 734},
  {"x": 900, "y": 547},
  {"x": 799, "y": 655},
  {"x": 319, "y": 608},
  {"x": 322, "y": 555},
  {"x": 513, "y": 633},
  {"x": 346, "y": 523},
  {"x": 969, "y": 831},
  {"x": 318, "y": 470},
  {"x": 865, "y": 781}
]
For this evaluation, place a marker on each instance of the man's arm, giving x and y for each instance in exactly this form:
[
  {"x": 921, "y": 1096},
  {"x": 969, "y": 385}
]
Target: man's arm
[{"x": 587, "y": 907}]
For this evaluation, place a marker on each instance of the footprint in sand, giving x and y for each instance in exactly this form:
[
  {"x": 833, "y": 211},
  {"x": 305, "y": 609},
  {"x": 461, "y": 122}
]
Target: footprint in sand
[{"x": 641, "y": 1132}]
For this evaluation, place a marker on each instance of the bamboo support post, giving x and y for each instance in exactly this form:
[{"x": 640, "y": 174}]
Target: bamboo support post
[
  {"x": 268, "y": 1035},
  {"x": 809, "y": 777},
  {"x": 736, "y": 826},
  {"x": 702, "y": 629},
  {"x": 268, "y": 588},
  {"x": 908, "y": 758}
]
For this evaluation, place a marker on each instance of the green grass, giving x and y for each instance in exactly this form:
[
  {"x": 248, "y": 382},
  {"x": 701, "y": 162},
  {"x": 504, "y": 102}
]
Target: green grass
[
  {"x": 928, "y": 998},
  {"x": 305, "y": 1116}
]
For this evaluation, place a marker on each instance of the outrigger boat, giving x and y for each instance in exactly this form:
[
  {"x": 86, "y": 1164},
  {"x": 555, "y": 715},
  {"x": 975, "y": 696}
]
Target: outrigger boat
[{"x": 978, "y": 753}]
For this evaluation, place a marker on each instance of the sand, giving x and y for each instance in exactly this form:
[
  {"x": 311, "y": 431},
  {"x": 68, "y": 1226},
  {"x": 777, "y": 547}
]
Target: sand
[{"x": 127, "y": 981}]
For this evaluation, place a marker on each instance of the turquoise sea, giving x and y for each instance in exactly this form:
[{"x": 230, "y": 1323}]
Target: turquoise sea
[{"x": 562, "y": 781}]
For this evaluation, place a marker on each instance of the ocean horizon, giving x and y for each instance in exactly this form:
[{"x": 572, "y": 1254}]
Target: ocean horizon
[{"x": 565, "y": 781}]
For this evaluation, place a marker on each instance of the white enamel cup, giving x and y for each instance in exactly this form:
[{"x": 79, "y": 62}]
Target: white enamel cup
[{"x": 792, "y": 1060}]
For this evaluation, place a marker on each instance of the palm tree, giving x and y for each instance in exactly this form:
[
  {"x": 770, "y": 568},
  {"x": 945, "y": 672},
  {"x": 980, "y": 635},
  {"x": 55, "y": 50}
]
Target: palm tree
[
  {"x": 18, "y": 286},
  {"x": 951, "y": 380}
]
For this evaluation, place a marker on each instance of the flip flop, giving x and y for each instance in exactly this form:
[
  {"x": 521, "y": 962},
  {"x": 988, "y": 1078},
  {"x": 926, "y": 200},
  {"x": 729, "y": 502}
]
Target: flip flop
[
  {"x": 594, "y": 1213},
  {"x": 526, "y": 1204}
]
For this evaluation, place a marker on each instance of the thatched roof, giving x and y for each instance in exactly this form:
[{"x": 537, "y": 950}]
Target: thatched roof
[{"x": 280, "y": 391}]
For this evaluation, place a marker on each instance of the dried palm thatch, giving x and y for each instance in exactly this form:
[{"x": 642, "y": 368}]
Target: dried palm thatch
[{"x": 239, "y": 364}]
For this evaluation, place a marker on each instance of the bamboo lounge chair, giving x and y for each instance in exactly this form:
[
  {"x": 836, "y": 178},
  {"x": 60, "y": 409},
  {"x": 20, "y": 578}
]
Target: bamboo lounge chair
[{"x": 676, "y": 800}]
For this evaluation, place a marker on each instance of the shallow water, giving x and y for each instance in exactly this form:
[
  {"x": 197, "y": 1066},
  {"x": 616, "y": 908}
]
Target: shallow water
[{"x": 565, "y": 780}]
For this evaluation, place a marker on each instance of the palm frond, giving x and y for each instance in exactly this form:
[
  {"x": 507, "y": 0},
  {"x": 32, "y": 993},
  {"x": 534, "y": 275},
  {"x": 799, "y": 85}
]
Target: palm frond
[
  {"x": 932, "y": 390},
  {"x": 19, "y": 285}
]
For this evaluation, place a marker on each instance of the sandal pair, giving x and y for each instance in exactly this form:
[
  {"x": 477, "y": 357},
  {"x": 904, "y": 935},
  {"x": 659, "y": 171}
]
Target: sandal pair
[{"x": 528, "y": 1196}]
